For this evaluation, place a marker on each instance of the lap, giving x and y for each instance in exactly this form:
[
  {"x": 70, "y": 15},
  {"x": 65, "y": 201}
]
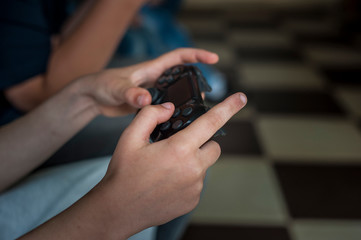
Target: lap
[{"x": 46, "y": 193}]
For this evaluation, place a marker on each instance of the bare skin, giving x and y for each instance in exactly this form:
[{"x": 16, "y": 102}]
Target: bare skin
[
  {"x": 113, "y": 92},
  {"x": 85, "y": 46},
  {"x": 145, "y": 184}
]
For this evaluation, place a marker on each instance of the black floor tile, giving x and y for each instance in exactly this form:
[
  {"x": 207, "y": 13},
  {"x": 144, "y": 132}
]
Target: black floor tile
[
  {"x": 304, "y": 40},
  {"x": 206, "y": 36},
  {"x": 352, "y": 27},
  {"x": 296, "y": 102},
  {"x": 201, "y": 13},
  {"x": 215, "y": 232},
  {"x": 346, "y": 76},
  {"x": 359, "y": 125},
  {"x": 269, "y": 54},
  {"x": 252, "y": 25},
  {"x": 240, "y": 139},
  {"x": 232, "y": 77},
  {"x": 317, "y": 13},
  {"x": 314, "y": 191}
]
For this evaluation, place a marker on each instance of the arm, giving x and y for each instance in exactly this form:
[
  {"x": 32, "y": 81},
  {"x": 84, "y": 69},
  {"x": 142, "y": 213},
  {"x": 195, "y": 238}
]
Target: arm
[
  {"x": 161, "y": 180},
  {"x": 146, "y": 184},
  {"x": 85, "y": 47},
  {"x": 29, "y": 141}
]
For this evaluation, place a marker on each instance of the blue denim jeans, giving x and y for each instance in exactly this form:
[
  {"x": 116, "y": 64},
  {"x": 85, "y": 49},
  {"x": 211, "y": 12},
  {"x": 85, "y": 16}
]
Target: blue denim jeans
[{"x": 49, "y": 191}]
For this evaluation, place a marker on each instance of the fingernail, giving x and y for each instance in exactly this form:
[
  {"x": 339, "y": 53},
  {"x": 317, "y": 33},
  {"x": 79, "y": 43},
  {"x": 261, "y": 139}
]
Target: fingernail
[
  {"x": 140, "y": 100},
  {"x": 243, "y": 97},
  {"x": 167, "y": 105}
]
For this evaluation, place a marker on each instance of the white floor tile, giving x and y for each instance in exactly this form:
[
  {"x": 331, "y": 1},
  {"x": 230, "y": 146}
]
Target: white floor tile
[
  {"x": 226, "y": 55},
  {"x": 326, "y": 230},
  {"x": 240, "y": 191},
  {"x": 332, "y": 55},
  {"x": 351, "y": 98},
  {"x": 204, "y": 25},
  {"x": 311, "y": 27},
  {"x": 259, "y": 39},
  {"x": 279, "y": 76},
  {"x": 308, "y": 139}
]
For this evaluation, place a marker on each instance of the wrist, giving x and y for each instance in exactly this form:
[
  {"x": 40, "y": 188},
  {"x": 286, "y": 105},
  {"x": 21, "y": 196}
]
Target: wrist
[
  {"x": 92, "y": 217},
  {"x": 74, "y": 106},
  {"x": 114, "y": 214}
]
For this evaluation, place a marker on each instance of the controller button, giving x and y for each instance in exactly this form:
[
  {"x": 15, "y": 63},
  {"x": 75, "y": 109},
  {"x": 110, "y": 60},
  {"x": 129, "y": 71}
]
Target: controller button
[
  {"x": 176, "y": 71},
  {"x": 167, "y": 72},
  {"x": 162, "y": 80},
  {"x": 177, "y": 124},
  {"x": 170, "y": 79},
  {"x": 183, "y": 75},
  {"x": 187, "y": 111},
  {"x": 176, "y": 113},
  {"x": 165, "y": 126},
  {"x": 191, "y": 101}
]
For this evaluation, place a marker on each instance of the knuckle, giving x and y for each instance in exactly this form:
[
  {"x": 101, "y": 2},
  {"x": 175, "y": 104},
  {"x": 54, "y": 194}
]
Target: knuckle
[
  {"x": 149, "y": 110},
  {"x": 180, "y": 149},
  {"x": 189, "y": 207},
  {"x": 193, "y": 196},
  {"x": 199, "y": 187},
  {"x": 195, "y": 202},
  {"x": 195, "y": 171},
  {"x": 217, "y": 149},
  {"x": 192, "y": 203}
]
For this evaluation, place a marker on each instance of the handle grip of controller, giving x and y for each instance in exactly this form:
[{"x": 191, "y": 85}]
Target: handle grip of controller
[
  {"x": 155, "y": 93},
  {"x": 202, "y": 82}
]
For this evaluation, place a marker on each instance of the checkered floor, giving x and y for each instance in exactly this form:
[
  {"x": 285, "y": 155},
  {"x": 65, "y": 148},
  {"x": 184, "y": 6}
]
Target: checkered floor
[{"x": 291, "y": 163}]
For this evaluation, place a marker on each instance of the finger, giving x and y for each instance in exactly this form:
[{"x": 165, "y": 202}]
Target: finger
[
  {"x": 203, "y": 128},
  {"x": 144, "y": 123},
  {"x": 115, "y": 111},
  {"x": 209, "y": 153},
  {"x": 186, "y": 55},
  {"x": 137, "y": 97},
  {"x": 154, "y": 68}
]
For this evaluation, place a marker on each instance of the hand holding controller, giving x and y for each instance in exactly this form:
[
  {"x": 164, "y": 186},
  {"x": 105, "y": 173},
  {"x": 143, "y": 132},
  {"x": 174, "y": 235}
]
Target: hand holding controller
[{"x": 182, "y": 85}]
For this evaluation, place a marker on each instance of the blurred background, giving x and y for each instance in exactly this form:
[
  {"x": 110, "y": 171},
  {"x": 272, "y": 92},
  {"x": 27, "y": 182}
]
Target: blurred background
[
  {"x": 290, "y": 168},
  {"x": 291, "y": 162}
]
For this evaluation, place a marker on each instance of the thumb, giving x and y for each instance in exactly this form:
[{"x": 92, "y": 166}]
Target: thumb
[
  {"x": 137, "y": 97},
  {"x": 138, "y": 132}
]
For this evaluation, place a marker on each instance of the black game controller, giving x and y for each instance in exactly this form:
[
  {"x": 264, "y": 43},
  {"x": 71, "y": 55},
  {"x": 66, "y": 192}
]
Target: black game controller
[{"x": 182, "y": 85}]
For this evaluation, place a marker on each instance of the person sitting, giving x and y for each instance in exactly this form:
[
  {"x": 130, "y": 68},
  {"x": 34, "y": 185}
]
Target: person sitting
[
  {"x": 144, "y": 185},
  {"x": 44, "y": 48}
]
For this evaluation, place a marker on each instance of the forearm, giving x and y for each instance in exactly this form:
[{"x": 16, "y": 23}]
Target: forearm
[
  {"x": 30, "y": 140},
  {"x": 135, "y": 190},
  {"x": 90, "y": 45},
  {"x": 77, "y": 17},
  {"x": 85, "y": 47},
  {"x": 95, "y": 216}
]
